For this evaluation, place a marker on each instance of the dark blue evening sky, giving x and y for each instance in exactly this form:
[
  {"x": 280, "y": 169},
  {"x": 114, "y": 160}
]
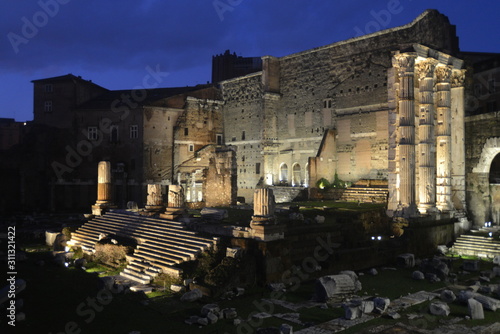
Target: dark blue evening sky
[{"x": 112, "y": 42}]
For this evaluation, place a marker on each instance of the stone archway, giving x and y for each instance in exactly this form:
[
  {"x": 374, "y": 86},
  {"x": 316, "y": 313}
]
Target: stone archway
[{"x": 484, "y": 195}]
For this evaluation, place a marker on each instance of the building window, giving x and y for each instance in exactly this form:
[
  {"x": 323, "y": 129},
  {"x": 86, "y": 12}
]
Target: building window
[
  {"x": 48, "y": 88},
  {"x": 242, "y": 135},
  {"x": 284, "y": 173},
  {"x": 218, "y": 139},
  {"x": 491, "y": 86},
  {"x": 92, "y": 133},
  {"x": 114, "y": 134},
  {"x": 47, "y": 107},
  {"x": 257, "y": 168},
  {"x": 134, "y": 131},
  {"x": 186, "y": 131},
  {"x": 477, "y": 90},
  {"x": 191, "y": 148}
]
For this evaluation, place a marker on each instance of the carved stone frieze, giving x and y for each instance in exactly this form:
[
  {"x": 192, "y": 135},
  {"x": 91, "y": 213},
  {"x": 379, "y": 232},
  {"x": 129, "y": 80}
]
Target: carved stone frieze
[
  {"x": 425, "y": 69},
  {"x": 458, "y": 78},
  {"x": 443, "y": 74}
]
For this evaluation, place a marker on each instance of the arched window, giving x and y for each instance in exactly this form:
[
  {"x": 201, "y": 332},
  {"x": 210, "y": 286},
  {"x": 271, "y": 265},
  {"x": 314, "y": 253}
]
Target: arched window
[
  {"x": 495, "y": 170},
  {"x": 284, "y": 172},
  {"x": 114, "y": 134},
  {"x": 306, "y": 177},
  {"x": 296, "y": 179}
]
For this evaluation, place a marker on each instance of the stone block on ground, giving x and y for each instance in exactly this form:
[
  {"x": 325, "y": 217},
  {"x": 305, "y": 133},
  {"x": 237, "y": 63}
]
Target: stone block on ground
[
  {"x": 234, "y": 252},
  {"x": 475, "y": 309},
  {"x": 489, "y": 303},
  {"x": 418, "y": 275},
  {"x": 192, "y": 295},
  {"x": 212, "y": 318},
  {"x": 381, "y": 304},
  {"x": 496, "y": 260},
  {"x": 406, "y": 260},
  {"x": 334, "y": 286},
  {"x": 229, "y": 313},
  {"x": 352, "y": 311},
  {"x": 286, "y": 329},
  {"x": 439, "y": 308},
  {"x": 177, "y": 288},
  {"x": 433, "y": 278},
  {"x": 435, "y": 266},
  {"x": 373, "y": 272},
  {"x": 442, "y": 249},
  {"x": 448, "y": 296},
  {"x": 210, "y": 308},
  {"x": 367, "y": 306}
]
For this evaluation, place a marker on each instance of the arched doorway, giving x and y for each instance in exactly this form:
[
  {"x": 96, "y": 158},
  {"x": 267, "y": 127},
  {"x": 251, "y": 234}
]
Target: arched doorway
[
  {"x": 494, "y": 176},
  {"x": 296, "y": 179},
  {"x": 483, "y": 185},
  {"x": 494, "y": 179}
]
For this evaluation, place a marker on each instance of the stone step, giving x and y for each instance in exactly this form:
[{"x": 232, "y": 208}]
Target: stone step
[
  {"x": 135, "y": 225},
  {"x": 185, "y": 256},
  {"x": 135, "y": 278},
  {"x": 178, "y": 232},
  {"x": 142, "y": 219},
  {"x": 151, "y": 236},
  {"x": 136, "y": 273},
  {"x": 166, "y": 253},
  {"x": 156, "y": 256}
]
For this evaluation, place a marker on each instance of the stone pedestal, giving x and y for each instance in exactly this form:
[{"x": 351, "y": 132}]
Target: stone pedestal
[
  {"x": 104, "y": 189},
  {"x": 175, "y": 206}
]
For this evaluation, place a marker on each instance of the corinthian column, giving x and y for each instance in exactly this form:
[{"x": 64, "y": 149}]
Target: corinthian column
[
  {"x": 405, "y": 64},
  {"x": 457, "y": 140},
  {"x": 426, "y": 158},
  {"x": 443, "y": 138}
]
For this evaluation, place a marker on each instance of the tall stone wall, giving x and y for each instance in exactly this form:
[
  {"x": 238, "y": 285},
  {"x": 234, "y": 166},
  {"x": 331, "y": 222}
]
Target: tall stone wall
[{"x": 277, "y": 117}]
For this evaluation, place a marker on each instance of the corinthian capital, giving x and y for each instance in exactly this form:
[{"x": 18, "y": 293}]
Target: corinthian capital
[
  {"x": 404, "y": 62},
  {"x": 443, "y": 74},
  {"x": 458, "y": 78},
  {"x": 426, "y": 68}
]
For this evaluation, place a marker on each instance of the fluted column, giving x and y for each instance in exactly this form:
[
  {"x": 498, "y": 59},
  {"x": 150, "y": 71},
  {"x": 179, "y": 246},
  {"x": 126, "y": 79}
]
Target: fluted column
[
  {"x": 104, "y": 185},
  {"x": 263, "y": 203},
  {"x": 405, "y": 64},
  {"x": 426, "y": 158},
  {"x": 443, "y": 138},
  {"x": 175, "y": 196},
  {"x": 458, "y": 140},
  {"x": 154, "y": 195}
]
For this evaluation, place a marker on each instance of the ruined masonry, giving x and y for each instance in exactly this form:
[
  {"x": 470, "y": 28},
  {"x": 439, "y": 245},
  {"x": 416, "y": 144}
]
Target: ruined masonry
[{"x": 162, "y": 242}]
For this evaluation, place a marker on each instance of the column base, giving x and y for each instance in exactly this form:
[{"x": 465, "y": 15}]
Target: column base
[{"x": 99, "y": 209}]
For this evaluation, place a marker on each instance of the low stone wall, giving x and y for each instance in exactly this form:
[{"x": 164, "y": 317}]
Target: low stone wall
[
  {"x": 289, "y": 194},
  {"x": 317, "y": 194}
]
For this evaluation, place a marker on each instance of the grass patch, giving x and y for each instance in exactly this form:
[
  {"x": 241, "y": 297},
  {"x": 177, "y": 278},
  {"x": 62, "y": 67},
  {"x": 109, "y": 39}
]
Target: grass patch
[{"x": 394, "y": 283}]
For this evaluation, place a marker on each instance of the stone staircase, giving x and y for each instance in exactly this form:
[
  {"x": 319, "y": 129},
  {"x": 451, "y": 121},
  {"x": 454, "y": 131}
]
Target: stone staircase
[
  {"x": 477, "y": 245},
  {"x": 162, "y": 243},
  {"x": 365, "y": 195}
]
